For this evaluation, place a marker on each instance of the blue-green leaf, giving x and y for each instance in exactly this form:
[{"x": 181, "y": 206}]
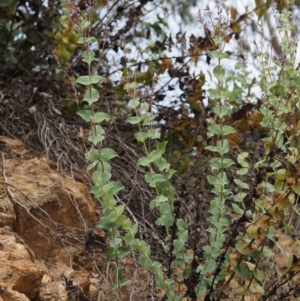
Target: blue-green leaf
[
  {"x": 100, "y": 116},
  {"x": 90, "y": 80},
  {"x": 155, "y": 154},
  {"x": 243, "y": 271},
  {"x": 143, "y": 161},
  {"x": 107, "y": 154},
  {"x": 83, "y": 40},
  {"x": 91, "y": 95},
  {"x": 85, "y": 115},
  {"x": 219, "y": 72},
  {"x": 133, "y": 120}
]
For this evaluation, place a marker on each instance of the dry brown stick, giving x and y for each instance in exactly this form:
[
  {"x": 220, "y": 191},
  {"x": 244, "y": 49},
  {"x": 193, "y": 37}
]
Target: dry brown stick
[{"x": 7, "y": 131}]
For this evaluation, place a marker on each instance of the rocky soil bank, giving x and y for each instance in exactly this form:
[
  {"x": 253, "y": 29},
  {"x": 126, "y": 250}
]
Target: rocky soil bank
[{"x": 46, "y": 218}]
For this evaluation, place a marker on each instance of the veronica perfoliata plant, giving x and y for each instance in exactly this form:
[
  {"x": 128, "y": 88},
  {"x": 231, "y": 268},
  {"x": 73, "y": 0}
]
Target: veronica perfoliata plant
[
  {"x": 105, "y": 189},
  {"x": 241, "y": 230}
]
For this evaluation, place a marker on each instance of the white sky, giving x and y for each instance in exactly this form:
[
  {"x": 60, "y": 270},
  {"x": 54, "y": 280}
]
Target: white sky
[{"x": 175, "y": 25}]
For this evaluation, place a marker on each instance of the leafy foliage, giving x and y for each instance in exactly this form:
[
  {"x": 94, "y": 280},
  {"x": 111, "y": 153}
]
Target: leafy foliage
[
  {"x": 221, "y": 161},
  {"x": 235, "y": 252}
]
